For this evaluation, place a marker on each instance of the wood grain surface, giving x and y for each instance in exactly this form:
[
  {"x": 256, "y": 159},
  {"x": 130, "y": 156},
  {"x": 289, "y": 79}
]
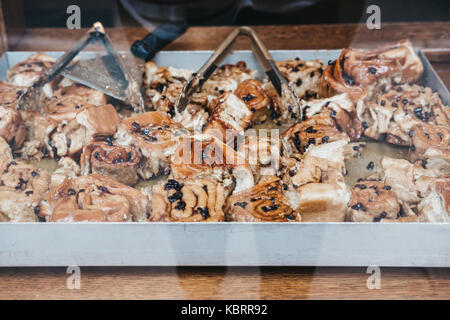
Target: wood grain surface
[
  {"x": 224, "y": 283},
  {"x": 243, "y": 283}
]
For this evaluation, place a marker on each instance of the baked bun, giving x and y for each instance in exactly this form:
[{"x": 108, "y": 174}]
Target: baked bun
[
  {"x": 360, "y": 73},
  {"x": 94, "y": 198},
  {"x": 117, "y": 162},
  {"x": 188, "y": 200},
  {"x": 263, "y": 202}
]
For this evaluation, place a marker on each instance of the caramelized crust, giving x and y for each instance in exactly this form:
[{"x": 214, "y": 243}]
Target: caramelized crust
[
  {"x": 264, "y": 202},
  {"x": 251, "y": 92},
  {"x": 316, "y": 130},
  {"x": 25, "y": 73},
  {"x": 94, "y": 198},
  {"x": 155, "y": 135},
  {"x": 205, "y": 156},
  {"x": 359, "y": 73},
  {"x": 79, "y": 91},
  {"x": 117, "y": 162},
  {"x": 188, "y": 200}
]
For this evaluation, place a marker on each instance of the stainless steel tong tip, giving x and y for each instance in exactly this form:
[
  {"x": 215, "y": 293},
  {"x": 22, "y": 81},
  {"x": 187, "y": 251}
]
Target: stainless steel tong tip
[
  {"x": 30, "y": 99},
  {"x": 263, "y": 56}
]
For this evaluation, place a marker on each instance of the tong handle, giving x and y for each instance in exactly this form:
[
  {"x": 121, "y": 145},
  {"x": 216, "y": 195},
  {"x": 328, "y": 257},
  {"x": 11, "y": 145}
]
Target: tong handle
[
  {"x": 265, "y": 59},
  {"x": 164, "y": 34},
  {"x": 262, "y": 55},
  {"x": 219, "y": 55}
]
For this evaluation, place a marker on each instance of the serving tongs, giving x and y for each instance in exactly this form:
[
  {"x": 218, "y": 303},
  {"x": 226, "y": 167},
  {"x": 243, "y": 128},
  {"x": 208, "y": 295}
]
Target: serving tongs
[
  {"x": 265, "y": 59},
  {"x": 108, "y": 73}
]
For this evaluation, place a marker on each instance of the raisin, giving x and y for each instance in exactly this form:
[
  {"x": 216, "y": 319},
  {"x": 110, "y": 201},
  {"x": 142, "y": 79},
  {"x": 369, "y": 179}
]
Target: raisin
[
  {"x": 173, "y": 184},
  {"x": 181, "y": 205},
  {"x": 204, "y": 212},
  {"x": 176, "y": 196},
  {"x": 242, "y": 204},
  {"x": 358, "y": 207}
]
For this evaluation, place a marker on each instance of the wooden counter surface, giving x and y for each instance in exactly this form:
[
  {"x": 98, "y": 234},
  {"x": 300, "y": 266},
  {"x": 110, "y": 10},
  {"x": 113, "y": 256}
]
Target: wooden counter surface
[{"x": 242, "y": 283}]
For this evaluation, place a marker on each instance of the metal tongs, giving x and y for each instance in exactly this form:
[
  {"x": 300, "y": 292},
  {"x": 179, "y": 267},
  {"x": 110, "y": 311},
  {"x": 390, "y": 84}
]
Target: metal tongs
[
  {"x": 195, "y": 83},
  {"x": 108, "y": 74}
]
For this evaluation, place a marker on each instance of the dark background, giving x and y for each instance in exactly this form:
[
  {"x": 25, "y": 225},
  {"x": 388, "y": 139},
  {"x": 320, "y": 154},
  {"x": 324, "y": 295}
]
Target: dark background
[{"x": 52, "y": 13}]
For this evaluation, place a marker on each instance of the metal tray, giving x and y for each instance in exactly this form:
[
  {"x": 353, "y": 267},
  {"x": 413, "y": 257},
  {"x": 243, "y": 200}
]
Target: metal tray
[{"x": 226, "y": 243}]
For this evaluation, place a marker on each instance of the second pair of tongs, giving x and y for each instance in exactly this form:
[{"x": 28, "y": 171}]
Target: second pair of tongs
[
  {"x": 108, "y": 74},
  {"x": 194, "y": 84}
]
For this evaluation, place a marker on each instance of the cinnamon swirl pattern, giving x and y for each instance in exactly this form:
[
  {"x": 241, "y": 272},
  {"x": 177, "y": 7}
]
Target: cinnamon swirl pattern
[
  {"x": 316, "y": 130},
  {"x": 362, "y": 73},
  {"x": 101, "y": 155},
  {"x": 264, "y": 202},
  {"x": 205, "y": 156},
  {"x": 94, "y": 198},
  {"x": 68, "y": 89},
  {"x": 117, "y": 162},
  {"x": 65, "y": 108},
  {"x": 25, "y": 73},
  {"x": 252, "y": 93},
  {"x": 188, "y": 200},
  {"x": 156, "y": 136}
]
